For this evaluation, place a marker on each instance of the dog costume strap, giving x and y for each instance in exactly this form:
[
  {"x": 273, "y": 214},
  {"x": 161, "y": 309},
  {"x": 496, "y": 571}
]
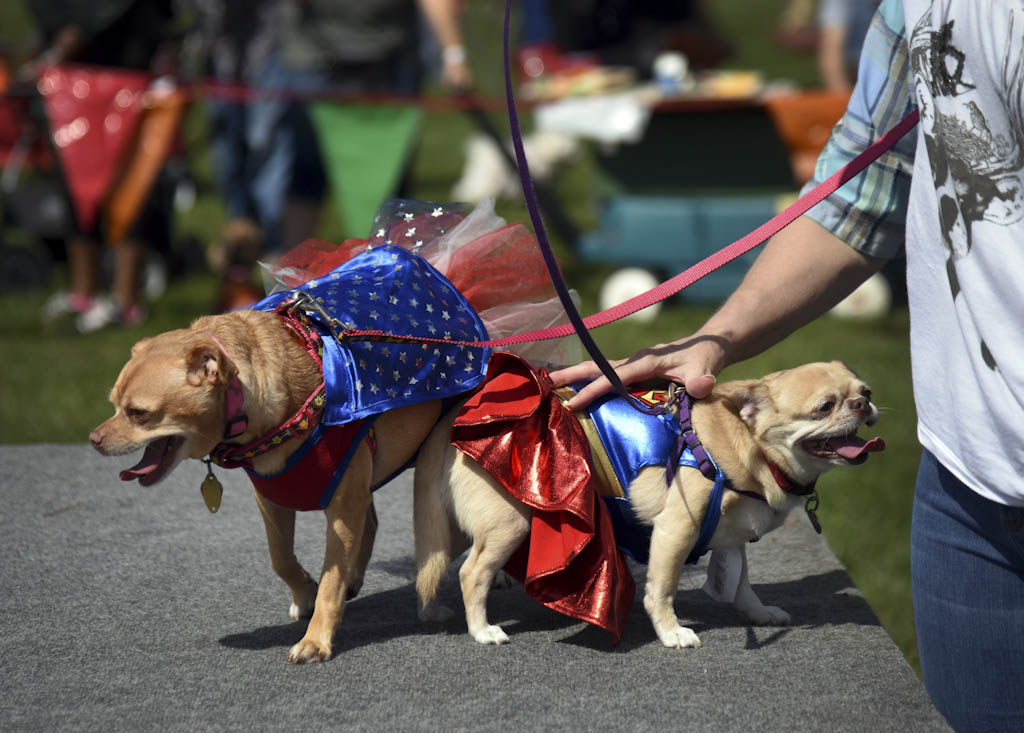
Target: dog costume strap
[
  {"x": 298, "y": 425},
  {"x": 688, "y": 438}
]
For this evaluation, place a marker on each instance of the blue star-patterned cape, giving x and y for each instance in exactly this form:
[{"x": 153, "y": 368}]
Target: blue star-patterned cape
[{"x": 389, "y": 289}]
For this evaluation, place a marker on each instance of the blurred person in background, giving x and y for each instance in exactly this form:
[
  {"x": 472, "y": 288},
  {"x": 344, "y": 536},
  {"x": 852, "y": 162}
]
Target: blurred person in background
[
  {"x": 265, "y": 149},
  {"x": 951, "y": 197},
  {"x": 122, "y": 34},
  {"x": 842, "y": 26}
]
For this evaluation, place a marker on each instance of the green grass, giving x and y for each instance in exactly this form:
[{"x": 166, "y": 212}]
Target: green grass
[{"x": 55, "y": 381}]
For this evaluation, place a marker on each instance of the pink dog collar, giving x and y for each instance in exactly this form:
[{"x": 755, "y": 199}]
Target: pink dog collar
[{"x": 234, "y": 402}]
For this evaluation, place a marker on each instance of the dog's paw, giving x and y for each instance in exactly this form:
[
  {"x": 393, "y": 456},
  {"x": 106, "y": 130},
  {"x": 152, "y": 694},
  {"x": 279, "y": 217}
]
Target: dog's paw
[
  {"x": 436, "y": 612},
  {"x": 490, "y": 635},
  {"x": 309, "y": 650},
  {"x": 768, "y": 616},
  {"x": 679, "y": 638},
  {"x": 303, "y": 603}
]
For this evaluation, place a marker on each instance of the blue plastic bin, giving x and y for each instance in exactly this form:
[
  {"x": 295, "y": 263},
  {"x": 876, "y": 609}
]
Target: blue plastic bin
[{"x": 668, "y": 234}]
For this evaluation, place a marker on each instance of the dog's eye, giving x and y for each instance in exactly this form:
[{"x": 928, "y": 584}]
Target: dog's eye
[
  {"x": 135, "y": 414},
  {"x": 826, "y": 406}
]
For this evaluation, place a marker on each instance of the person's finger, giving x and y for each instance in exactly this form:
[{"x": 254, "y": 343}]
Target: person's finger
[
  {"x": 634, "y": 369},
  {"x": 699, "y": 387},
  {"x": 588, "y": 394},
  {"x": 583, "y": 372}
]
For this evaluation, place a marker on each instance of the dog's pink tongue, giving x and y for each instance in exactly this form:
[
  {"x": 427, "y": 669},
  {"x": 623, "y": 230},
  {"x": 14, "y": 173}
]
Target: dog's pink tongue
[
  {"x": 150, "y": 461},
  {"x": 853, "y": 447}
]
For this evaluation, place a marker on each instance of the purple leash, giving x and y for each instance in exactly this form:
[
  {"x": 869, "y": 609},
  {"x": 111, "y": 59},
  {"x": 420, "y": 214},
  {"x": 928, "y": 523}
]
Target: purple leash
[{"x": 545, "y": 245}]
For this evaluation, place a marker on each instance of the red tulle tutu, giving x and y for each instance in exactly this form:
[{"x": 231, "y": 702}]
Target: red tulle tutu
[{"x": 497, "y": 266}]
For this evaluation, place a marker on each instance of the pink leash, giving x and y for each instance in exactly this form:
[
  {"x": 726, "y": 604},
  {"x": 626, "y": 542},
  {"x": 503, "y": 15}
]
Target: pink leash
[{"x": 729, "y": 253}]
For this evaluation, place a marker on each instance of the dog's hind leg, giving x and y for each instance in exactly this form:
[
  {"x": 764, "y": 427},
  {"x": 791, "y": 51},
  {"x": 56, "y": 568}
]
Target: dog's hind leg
[
  {"x": 438, "y": 539},
  {"x": 498, "y": 525},
  {"x": 355, "y": 583},
  {"x": 346, "y": 516},
  {"x": 280, "y": 526}
]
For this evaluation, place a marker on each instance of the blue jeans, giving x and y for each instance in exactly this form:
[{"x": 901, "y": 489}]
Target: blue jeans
[
  {"x": 967, "y": 570},
  {"x": 266, "y": 150}
]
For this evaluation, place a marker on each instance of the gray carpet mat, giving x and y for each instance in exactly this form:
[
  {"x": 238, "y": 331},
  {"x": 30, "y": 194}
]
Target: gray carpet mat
[{"x": 126, "y": 608}]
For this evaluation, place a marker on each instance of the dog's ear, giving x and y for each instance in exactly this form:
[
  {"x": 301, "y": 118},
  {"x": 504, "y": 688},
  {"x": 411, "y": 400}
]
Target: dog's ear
[
  {"x": 207, "y": 364},
  {"x": 747, "y": 398},
  {"x": 140, "y": 345}
]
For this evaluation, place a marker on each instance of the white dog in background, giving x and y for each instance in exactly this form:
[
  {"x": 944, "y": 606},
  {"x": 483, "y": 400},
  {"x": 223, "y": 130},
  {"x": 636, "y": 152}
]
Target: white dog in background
[{"x": 487, "y": 174}]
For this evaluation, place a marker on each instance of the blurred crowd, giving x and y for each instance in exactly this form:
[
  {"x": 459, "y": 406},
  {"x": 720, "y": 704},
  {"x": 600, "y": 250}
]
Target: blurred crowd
[{"x": 271, "y": 55}]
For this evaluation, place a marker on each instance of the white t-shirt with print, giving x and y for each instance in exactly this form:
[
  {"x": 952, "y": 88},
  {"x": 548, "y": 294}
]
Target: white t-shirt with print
[{"x": 965, "y": 239}]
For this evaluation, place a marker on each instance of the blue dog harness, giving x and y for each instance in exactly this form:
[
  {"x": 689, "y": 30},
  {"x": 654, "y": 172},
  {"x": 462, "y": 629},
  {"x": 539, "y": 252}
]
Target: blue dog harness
[{"x": 631, "y": 441}]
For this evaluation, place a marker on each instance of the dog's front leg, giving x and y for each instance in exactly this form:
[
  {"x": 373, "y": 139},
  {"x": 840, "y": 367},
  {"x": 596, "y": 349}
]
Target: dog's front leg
[
  {"x": 750, "y": 605},
  {"x": 671, "y": 541},
  {"x": 280, "y": 526},
  {"x": 346, "y": 518}
]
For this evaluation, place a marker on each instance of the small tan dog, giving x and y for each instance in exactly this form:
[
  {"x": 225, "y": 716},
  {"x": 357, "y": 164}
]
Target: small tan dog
[
  {"x": 771, "y": 437},
  {"x": 170, "y": 399}
]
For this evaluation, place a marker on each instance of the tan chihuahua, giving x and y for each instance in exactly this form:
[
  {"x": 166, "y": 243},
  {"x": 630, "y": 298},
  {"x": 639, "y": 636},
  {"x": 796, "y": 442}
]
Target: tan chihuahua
[
  {"x": 772, "y": 438},
  {"x": 171, "y": 400}
]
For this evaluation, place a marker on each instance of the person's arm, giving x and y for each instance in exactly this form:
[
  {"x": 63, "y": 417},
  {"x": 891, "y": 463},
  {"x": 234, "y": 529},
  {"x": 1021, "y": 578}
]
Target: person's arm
[
  {"x": 444, "y": 19},
  {"x": 803, "y": 271},
  {"x": 831, "y": 64},
  {"x": 833, "y": 20}
]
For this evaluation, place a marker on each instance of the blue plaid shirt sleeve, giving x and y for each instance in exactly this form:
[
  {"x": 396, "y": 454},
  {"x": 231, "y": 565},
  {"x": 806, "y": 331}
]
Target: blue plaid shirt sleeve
[{"x": 869, "y": 212}]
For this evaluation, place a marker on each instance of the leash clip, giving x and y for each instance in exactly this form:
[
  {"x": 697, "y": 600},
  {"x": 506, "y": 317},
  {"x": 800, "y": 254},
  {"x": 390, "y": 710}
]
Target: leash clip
[{"x": 305, "y": 302}]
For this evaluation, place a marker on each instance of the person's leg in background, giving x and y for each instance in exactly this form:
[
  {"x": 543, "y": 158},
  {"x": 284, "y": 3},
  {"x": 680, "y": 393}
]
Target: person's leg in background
[
  {"x": 84, "y": 269},
  {"x": 227, "y": 148},
  {"x": 269, "y": 155},
  {"x": 967, "y": 571},
  {"x": 305, "y": 191}
]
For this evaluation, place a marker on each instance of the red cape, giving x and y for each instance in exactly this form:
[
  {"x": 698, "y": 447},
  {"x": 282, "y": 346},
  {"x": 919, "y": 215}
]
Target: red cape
[{"x": 520, "y": 433}]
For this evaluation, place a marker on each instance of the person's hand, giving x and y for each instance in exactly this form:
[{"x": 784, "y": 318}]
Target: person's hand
[
  {"x": 454, "y": 71},
  {"x": 692, "y": 362}
]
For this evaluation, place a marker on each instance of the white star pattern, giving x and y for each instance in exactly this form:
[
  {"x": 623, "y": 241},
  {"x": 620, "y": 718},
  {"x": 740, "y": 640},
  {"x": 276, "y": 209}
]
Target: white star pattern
[{"x": 406, "y": 298}]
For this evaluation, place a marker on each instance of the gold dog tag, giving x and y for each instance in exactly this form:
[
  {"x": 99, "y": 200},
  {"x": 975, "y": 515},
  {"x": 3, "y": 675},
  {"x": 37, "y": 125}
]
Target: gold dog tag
[{"x": 211, "y": 490}]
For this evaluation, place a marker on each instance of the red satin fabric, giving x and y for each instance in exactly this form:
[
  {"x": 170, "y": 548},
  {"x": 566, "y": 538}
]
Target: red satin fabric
[{"x": 519, "y": 432}]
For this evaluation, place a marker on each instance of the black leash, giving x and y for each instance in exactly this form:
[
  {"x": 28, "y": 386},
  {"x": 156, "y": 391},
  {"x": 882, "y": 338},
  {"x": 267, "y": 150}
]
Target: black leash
[{"x": 545, "y": 245}]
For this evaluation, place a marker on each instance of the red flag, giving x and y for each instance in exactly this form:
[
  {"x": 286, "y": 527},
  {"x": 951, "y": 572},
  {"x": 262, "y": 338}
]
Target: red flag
[{"x": 93, "y": 115}]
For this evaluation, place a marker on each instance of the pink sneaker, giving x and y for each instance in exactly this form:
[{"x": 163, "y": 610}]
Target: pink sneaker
[
  {"x": 63, "y": 303},
  {"x": 105, "y": 312}
]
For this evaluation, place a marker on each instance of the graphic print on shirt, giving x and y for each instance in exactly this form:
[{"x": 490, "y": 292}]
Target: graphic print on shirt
[{"x": 976, "y": 160}]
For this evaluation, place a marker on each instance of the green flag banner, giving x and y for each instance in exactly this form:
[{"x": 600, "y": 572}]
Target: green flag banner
[{"x": 365, "y": 149}]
